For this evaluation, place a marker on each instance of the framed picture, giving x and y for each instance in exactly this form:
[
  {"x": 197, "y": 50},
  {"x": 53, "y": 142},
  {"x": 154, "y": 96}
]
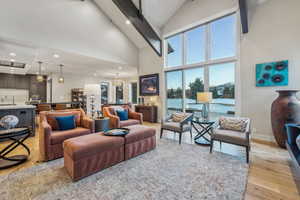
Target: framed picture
[
  {"x": 149, "y": 85},
  {"x": 272, "y": 74}
]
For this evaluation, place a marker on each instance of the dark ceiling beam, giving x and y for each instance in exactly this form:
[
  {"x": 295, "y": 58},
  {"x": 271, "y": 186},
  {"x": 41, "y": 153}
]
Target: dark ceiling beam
[
  {"x": 244, "y": 15},
  {"x": 134, "y": 15}
]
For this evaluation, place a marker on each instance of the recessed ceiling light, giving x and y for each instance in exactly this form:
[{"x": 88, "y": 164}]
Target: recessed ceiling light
[
  {"x": 95, "y": 74},
  {"x": 120, "y": 68},
  {"x": 128, "y": 22},
  {"x": 56, "y": 55},
  {"x": 12, "y": 54},
  {"x": 12, "y": 60}
]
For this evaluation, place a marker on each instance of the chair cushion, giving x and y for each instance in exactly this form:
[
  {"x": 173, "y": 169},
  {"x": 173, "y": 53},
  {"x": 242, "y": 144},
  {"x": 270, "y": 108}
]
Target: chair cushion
[
  {"x": 129, "y": 122},
  {"x": 57, "y": 137},
  {"x": 178, "y": 117},
  {"x": 233, "y": 123},
  {"x": 51, "y": 118},
  {"x": 174, "y": 126},
  {"x": 66, "y": 122},
  {"x": 138, "y": 132},
  {"x": 122, "y": 114},
  {"x": 229, "y": 136}
]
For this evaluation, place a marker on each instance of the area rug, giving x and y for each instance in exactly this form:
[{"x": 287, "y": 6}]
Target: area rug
[{"x": 169, "y": 172}]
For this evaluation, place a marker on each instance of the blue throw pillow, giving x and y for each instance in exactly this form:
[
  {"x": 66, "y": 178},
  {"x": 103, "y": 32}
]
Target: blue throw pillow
[
  {"x": 122, "y": 114},
  {"x": 66, "y": 122}
]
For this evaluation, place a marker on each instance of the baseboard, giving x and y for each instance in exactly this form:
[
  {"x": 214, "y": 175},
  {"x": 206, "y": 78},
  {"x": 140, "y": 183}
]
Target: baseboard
[{"x": 266, "y": 142}]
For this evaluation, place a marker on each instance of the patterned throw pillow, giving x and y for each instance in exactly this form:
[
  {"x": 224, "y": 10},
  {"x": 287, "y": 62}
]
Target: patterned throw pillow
[
  {"x": 178, "y": 117},
  {"x": 233, "y": 123}
]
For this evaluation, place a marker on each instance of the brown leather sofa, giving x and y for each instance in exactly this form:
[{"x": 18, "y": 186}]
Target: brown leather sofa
[
  {"x": 89, "y": 154},
  {"x": 51, "y": 139},
  {"x": 115, "y": 122}
]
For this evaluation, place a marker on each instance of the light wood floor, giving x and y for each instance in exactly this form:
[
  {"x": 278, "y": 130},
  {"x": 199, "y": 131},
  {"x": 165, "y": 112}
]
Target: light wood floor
[{"x": 270, "y": 173}]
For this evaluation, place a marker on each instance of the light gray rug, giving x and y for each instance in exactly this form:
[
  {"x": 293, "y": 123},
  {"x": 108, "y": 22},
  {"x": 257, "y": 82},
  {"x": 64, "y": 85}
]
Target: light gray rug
[{"x": 169, "y": 172}]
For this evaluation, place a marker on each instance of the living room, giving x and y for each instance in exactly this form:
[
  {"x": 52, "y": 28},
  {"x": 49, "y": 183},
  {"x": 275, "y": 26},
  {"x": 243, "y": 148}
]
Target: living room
[{"x": 180, "y": 99}]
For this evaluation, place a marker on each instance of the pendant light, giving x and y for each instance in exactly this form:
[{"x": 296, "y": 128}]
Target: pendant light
[
  {"x": 61, "y": 78},
  {"x": 40, "y": 77}
]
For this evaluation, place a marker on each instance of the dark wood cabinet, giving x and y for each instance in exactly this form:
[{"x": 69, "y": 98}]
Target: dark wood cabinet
[
  {"x": 149, "y": 112},
  {"x": 27, "y": 82}
]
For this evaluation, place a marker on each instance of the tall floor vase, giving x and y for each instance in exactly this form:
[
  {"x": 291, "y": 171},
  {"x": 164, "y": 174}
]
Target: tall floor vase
[{"x": 285, "y": 109}]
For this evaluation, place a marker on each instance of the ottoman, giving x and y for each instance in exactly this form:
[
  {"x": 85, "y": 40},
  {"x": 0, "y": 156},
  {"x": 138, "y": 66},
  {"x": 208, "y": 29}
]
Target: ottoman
[
  {"x": 139, "y": 140},
  {"x": 88, "y": 154}
]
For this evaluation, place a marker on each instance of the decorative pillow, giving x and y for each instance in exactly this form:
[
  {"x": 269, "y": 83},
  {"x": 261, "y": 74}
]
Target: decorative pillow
[
  {"x": 233, "y": 123},
  {"x": 122, "y": 114},
  {"x": 51, "y": 118},
  {"x": 298, "y": 141},
  {"x": 178, "y": 117},
  {"x": 66, "y": 122}
]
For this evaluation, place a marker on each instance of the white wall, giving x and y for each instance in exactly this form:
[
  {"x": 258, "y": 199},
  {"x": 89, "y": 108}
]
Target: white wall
[
  {"x": 68, "y": 25},
  {"x": 194, "y": 11},
  {"x": 151, "y": 63},
  {"x": 274, "y": 35}
]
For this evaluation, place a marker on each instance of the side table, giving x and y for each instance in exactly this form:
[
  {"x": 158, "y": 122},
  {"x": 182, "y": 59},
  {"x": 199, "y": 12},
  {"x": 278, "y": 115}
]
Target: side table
[
  {"x": 17, "y": 136},
  {"x": 101, "y": 124},
  {"x": 203, "y": 128}
]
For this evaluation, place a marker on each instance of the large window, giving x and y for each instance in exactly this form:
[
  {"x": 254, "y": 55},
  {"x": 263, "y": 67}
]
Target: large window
[
  {"x": 119, "y": 94},
  {"x": 194, "y": 82},
  {"x": 104, "y": 92},
  {"x": 221, "y": 84},
  {"x": 195, "y": 45},
  {"x": 174, "y": 91},
  {"x": 205, "y": 59},
  {"x": 133, "y": 92},
  {"x": 223, "y": 38},
  {"x": 174, "y": 57}
]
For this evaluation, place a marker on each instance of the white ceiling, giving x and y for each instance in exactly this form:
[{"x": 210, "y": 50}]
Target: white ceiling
[
  {"x": 74, "y": 64},
  {"x": 158, "y": 12}
]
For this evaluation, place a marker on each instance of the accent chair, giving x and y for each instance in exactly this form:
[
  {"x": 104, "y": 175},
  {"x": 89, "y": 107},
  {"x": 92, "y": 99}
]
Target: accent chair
[
  {"x": 51, "y": 138},
  {"x": 184, "y": 125},
  {"x": 134, "y": 118},
  {"x": 230, "y": 135}
]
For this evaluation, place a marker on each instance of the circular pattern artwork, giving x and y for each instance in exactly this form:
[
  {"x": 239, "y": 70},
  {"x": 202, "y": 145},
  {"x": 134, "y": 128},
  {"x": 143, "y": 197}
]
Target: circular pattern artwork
[{"x": 272, "y": 74}]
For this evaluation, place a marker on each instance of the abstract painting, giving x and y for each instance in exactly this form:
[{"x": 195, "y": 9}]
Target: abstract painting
[
  {"x": 149, "y": 85},
  {"x": 272, "y": 74}
]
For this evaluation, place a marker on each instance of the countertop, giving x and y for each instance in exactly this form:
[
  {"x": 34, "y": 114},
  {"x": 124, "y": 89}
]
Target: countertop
[{"x": 16, "y": 107}]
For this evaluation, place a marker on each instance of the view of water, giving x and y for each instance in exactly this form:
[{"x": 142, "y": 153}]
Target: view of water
[{"x": 221, "y": 105}]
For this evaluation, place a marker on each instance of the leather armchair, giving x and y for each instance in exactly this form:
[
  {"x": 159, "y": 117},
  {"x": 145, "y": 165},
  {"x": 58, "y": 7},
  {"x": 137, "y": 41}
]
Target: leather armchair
[
  {"x": 51, "y": 139},
  {"x": 115, "y": 122}
]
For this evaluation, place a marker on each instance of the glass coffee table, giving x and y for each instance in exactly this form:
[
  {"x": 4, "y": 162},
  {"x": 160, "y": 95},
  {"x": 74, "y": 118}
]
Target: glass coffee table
[{"x": 204, "y": 129}]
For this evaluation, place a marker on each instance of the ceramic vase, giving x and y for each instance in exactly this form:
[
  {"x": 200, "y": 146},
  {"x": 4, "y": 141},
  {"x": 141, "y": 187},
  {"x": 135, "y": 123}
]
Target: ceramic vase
[{"x": 285, "y": 109}]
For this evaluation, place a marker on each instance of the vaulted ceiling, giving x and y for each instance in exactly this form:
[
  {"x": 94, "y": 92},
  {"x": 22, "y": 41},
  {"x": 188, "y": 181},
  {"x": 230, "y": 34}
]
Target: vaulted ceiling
[{"x": 158, "y": 12}]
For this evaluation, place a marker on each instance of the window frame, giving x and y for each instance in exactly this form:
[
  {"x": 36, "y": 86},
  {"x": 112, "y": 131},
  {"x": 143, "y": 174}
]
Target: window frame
[{"x": 208, "y": 61}]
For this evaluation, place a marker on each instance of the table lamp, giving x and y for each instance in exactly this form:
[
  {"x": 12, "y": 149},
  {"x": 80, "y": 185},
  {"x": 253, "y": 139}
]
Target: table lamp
[{"x": 205, "y": 98}]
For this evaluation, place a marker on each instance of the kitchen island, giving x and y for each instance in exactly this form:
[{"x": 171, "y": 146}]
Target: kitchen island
[{"x": 25, "y": 114}]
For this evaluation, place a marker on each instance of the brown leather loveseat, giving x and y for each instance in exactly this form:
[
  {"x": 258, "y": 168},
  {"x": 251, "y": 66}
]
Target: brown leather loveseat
[{"x": 51, "y": 139}]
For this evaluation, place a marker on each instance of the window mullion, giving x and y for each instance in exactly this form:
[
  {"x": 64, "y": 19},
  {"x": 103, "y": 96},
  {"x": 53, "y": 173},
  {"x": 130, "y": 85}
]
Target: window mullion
[
  {"x": 207, "y": 57},
  {"x": 183, "y": 90}
]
